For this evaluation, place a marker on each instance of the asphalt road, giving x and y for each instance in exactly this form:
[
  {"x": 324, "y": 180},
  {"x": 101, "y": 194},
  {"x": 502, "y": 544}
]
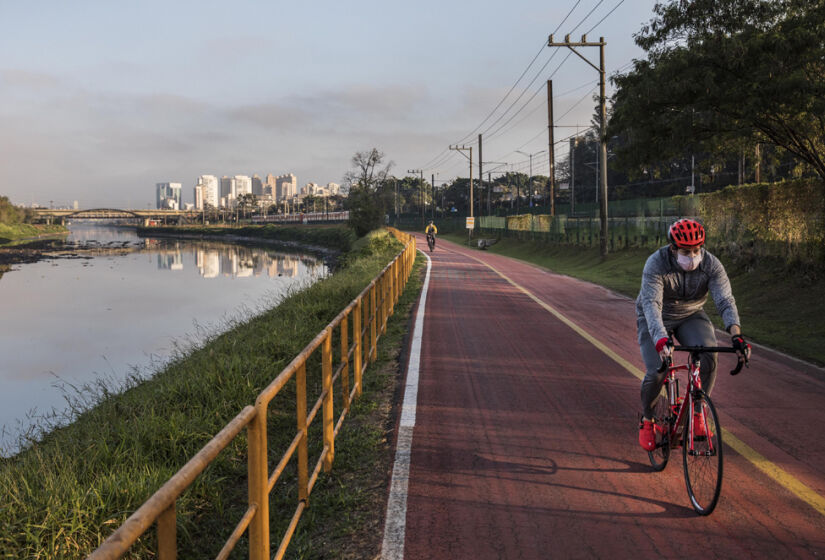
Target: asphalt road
[{"x": 525, "y": 437}]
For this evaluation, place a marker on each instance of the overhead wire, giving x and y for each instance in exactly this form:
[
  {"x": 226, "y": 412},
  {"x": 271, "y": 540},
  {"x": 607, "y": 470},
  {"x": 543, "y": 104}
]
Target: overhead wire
[
  {"x": 433, "y": 160},
  {"x": 446, "y": 155},
  {"x": 605, "y": 17}
]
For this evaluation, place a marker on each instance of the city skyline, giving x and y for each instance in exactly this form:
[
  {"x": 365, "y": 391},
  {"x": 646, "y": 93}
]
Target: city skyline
[{"x": 99, "y": 99}]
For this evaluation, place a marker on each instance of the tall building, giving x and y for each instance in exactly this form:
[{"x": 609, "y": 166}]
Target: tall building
[
  {"x": 168, "y": 192},
  {"x": 257, "y": 186},
  {"x": 286, "y": 186},
  {"x": 228, "y": 191},
  {"x": 270, "y": 187},
  {"x": 334, "y": 189},
  {"x": 243, "y": 185},
  {"x": 198, "y": 195},
  {"x": 209, "y": 191}
]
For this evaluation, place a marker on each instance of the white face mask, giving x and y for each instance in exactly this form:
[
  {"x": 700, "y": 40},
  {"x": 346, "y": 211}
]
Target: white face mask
[{"x": 688, "y": 263}]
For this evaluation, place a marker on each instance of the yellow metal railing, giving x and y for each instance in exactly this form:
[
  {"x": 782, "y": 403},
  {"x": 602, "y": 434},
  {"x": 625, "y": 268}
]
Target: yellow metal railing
[{"x": 369, "y": 312}]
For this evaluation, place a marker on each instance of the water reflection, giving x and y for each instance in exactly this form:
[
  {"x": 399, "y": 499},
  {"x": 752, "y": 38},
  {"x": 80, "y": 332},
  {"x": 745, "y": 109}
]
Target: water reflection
[
  {"x": 126, "y": 305},
  {"x": 214, "y": 260}
]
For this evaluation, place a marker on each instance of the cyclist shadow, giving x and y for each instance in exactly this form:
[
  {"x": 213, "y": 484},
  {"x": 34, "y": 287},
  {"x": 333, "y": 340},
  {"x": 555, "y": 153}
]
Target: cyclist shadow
[
  {"x": 621, "y": 465},
  {"x": 545, "y": 466}
]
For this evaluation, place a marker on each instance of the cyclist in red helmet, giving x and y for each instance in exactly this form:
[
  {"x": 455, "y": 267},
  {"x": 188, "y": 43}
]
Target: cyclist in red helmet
[{"x": 675, "y": 285}]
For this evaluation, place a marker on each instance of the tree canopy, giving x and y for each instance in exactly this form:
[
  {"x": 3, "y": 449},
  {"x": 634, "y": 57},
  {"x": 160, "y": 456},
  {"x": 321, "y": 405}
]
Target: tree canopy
[
  {"x": 367, "y": 200},
  {"x": 723, "y": 73}
]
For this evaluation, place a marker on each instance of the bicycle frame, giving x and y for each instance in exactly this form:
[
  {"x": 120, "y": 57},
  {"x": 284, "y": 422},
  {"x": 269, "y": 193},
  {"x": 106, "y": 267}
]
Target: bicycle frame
[{"x": 681, "y": 410}]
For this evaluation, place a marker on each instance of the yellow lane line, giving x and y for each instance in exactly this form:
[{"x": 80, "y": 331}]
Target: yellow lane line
[{"x": 782, "y": 477}]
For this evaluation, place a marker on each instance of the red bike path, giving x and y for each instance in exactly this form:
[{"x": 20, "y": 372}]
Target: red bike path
[{"x": 525, "y": 438}]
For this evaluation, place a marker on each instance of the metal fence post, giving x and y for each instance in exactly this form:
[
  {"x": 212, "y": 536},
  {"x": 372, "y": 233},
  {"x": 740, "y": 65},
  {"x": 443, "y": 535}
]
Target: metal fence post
[
  {"x": 167, "y": 534},
  {"x": 373, "y": 318},
  {"x": 301, "y": 420},
  {"x": 329, "y": 425},
  {"x": 258, "y": 485},
  {"x": 345, "y": 361},
  {"x": 359, "y": 346}
]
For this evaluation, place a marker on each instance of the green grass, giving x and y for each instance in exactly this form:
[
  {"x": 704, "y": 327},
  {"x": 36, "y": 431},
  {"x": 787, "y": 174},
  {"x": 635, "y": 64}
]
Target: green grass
[
  {"x": 780, "y": 305},
  {"x": 337, "y": 237},
  {"x": 12, "y": 234},
  {"x": 69, "y": 490}
]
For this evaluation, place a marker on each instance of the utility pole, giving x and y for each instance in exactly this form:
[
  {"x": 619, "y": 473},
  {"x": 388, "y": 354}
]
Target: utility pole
[
  {"x": 550, "y": 147},
  {"x": 602, "y": 124},
  {"x": 432, "y": 197},
  {"x": 461, "y": 150},
  {"x": 530, "y": 181},
  {"x": 421, "y": 197},
  {"x": 480, "y": 175}
]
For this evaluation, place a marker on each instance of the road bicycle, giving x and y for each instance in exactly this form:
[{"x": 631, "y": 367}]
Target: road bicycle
[
  {"x": 431, "y": 241},
  {"x": 690, "y": 422}
]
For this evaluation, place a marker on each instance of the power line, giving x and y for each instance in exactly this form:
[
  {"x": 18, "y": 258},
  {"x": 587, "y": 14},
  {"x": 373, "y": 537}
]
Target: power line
[
  {"x": 531, "y": 98},
  {"x": 445, "y": 155},
  {"x": 605, "y": 17},
  {"x": 585, "y": 17},
  {"x": 466, "y": 137}
]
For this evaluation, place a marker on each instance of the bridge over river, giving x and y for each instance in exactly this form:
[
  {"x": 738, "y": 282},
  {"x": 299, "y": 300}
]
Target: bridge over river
[{"x": 49, "y": 215}]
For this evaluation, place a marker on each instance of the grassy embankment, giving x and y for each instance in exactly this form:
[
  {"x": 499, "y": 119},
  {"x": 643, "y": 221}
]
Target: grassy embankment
[
  {"x": 11, "y": 234},
  {"x": 67, "y": 492},
  {"x": 329, "y": 236},
  {"x": 779, "y": 306}
]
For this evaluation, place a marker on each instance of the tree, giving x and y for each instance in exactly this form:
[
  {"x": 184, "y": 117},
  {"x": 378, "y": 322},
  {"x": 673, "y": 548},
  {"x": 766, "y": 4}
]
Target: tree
[
  {"x": 722, "y": 75},
  {"x": 246, "y": 203},
  {"x": 10, "y": 214},
  {"x": 367, "y": 199}
]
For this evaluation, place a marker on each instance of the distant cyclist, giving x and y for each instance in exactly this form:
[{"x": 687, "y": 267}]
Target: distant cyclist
[
  {"x": 431, "y": 231},
  {"x": 675, "y": 285}
]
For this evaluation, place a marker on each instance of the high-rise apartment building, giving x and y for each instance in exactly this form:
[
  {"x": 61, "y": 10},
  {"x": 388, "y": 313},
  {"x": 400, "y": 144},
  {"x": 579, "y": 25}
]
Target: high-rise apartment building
[
  {"x": 334, "y": 189},
  {"x": 286, "y": 186},
  {"x": 209, "y": 192},
  {"x": 243, "y": 185},
  {"x": 270, "y": 187},
  {"x": 257, "y": 186},
  {"x": 198, "y": 195},
  {"x": 228, "y": 186},
  {"x": 168, "y": 195}
]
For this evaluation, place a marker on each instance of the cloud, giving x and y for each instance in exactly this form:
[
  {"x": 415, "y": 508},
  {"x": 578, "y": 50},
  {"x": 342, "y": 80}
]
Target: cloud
[{"x": 27, "y": 80}]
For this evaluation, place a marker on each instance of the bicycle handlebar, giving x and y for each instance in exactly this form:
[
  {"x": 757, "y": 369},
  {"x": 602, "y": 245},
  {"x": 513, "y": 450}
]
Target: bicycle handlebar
[{"x": 742, "y": 361}]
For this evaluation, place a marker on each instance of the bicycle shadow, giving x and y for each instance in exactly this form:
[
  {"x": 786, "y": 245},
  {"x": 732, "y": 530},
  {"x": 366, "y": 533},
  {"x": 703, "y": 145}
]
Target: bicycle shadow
[{"x": 667, "y": 508}]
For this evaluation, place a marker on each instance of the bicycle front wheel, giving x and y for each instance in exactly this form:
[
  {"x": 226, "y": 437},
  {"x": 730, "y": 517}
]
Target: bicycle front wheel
[
  {"x": 702, "y": 454},
  {"x": 661, "y": 414}
]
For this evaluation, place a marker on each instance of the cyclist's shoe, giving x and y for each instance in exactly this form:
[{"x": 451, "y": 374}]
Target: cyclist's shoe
[
  {"x": 647, "y": 435},
  {"x": 700, "y": 430}
]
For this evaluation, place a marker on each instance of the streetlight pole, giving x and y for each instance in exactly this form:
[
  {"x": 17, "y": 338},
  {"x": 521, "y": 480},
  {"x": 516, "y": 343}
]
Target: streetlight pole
[
  {"x": 531, "y": 170},
  {"x": 489, "y": 184}
]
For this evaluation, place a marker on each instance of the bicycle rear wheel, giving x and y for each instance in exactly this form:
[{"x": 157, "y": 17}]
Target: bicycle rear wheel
[
  {"x": 661, "y": 414},
  {"x": 702, "y": 456}
]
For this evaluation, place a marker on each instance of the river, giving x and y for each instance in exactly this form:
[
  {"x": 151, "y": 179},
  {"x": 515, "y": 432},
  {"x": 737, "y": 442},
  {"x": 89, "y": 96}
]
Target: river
[{"x": 122, "y": 308}]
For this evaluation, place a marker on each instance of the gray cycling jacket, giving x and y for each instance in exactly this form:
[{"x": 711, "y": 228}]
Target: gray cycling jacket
[{"x": 670, "y": 294}]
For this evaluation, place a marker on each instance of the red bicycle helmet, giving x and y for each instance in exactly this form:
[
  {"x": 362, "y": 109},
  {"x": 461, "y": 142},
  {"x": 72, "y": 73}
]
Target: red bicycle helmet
[{"x": 686, "y": 233}]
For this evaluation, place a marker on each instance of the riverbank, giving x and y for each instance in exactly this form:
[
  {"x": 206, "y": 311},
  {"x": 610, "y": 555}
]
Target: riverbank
[
  {"x": 12, "y": 234},
  {"x": 336, "y": 237},
  {"x": 71, "y": 489},
  {"x": 780, "y": 305}
]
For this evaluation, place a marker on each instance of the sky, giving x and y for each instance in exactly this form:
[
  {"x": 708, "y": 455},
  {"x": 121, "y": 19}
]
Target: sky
[{"x": 101, "y": 100}]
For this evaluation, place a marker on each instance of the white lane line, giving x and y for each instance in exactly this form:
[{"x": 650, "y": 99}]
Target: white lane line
[{"x": 396, "y": 522}]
